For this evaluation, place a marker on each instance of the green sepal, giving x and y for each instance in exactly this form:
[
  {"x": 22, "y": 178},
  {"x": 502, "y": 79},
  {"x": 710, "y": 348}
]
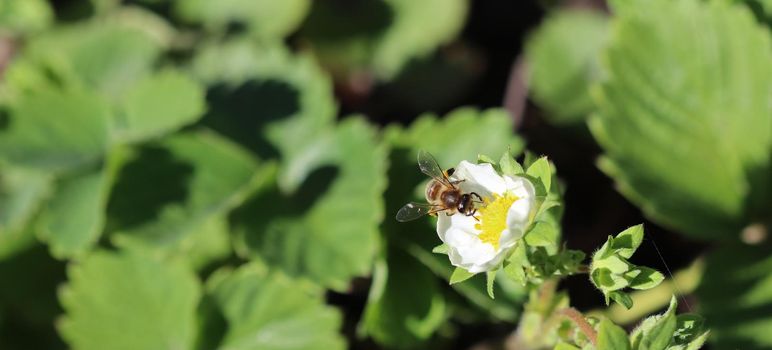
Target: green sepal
[
  {"x": 482, "y": 158},
  {"x": 440, "y": 249},
  {"x": 509, "y": 166},
  {"x": 515, "y": 264},
  {"x": 490, "y": 279},
  {"x": 460, "y": 275},
  {"x": 540, "y": 169},
  {"x": 541, "y": 234}
]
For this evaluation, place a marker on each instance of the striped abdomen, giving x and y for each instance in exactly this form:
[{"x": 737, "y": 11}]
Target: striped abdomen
[{"x": 433, "y": 191}]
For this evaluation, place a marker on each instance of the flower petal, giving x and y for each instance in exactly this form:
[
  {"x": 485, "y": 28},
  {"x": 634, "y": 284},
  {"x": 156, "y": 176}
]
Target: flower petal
[
  {"x": 519, "y": 186},
  {"x": 468, "y": 252},
  {"x": 479, "y": 178},
  {"x": 458, "y": 221},
  {"x": 519, "y": 213}
]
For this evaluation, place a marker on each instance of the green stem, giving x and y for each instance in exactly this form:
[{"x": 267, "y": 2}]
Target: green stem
[{"x": 646, "y": 302}]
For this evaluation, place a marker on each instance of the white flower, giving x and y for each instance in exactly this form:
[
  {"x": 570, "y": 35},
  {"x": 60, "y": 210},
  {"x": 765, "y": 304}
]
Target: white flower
[{"x": 479, "y": 243}]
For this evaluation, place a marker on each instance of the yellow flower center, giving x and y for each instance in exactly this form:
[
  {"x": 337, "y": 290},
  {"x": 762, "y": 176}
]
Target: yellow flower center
[{"x": 493, "y": 218}]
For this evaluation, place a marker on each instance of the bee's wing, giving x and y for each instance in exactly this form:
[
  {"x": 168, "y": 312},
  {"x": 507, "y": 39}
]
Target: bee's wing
[
  {"x": 429, "y": 166},
  {"x": 413, "y": 210}
]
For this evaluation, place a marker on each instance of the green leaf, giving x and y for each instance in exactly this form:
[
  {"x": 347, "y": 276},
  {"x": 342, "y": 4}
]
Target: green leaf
[
  {"x": 485, "y": 132},
  {"x": 565, "y": 346},
  {"x": 73, "y": 219},
  {"x": 735, "y": 294},
  {"x": 268, "y": 310},
  {"x": 689, "y": 328},
  {"x": 627, "y": 241},
  {"x": 105, "y": 55},
  {"x": 22, "y": 192},
  {"x": 669, "y": 126},
  {"x": 658, "y": 334},
  {"x": 563, "y": 62},
  {"x": 405, "y": 306},
  {"x": 459, "y": 275},
  {"x": 294, "y": 96},
  {"x": 195, "y": 179},
  {"x": 612, "y": 337},
  {"x": 542, "y": 234},
  {"x": 541, "y": 170},
  {"x": 327, "y": 230},
  {"x": 25, "y": 16},
  {"x": 381, "y": 36},
  {"x": 621, "y": 299},
  {"x": 541, "y": 213},
  {"x": 159, "y": 104},
  {"x": 263, "y": 19},
  {"x": 55, "y": 130},
  {"x": 644, "y": 278},
  {"x": 697, "y": 343},
  {"x": 490, "y": 278},
  {"x": 129, "y": 301},
  {"x": 509, "y": 166}
]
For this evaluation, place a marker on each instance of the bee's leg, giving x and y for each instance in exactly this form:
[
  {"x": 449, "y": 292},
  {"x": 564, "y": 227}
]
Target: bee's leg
[
  {"x": 479, "y": 199},
  {"x": 448, "y": 213},
  {"x": 457, "y": 182}
]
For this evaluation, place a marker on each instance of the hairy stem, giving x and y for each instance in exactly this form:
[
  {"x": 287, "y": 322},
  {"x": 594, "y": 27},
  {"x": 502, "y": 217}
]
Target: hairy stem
[{"x": 580, "y": 322}]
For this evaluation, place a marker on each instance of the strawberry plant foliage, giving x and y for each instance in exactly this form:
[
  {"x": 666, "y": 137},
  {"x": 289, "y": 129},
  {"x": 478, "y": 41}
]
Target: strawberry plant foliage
[
  {"x": 537, "y": 261},
  {"x": 187, "y": 161},
  {"x": 562, "y": 57},
  {"x": 673, "y": 126},
  {"x": 380, "y": 36},
  {"x": 268, "y": 310},
  {"x": 129, "y": 301}
]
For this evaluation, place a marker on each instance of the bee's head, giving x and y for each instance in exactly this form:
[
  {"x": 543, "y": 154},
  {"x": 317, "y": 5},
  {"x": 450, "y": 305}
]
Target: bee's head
[{"x": 465, "y": 205}]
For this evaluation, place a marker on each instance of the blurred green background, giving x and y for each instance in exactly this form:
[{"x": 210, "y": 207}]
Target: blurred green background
[{"x": 198, "y": 174}]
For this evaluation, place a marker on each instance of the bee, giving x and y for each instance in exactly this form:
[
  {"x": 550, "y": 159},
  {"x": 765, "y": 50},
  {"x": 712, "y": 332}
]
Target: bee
[{"x": 442, "y": 194}]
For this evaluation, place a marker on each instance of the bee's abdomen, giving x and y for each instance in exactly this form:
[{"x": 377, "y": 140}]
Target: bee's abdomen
[{"x": 433, "y": 190}]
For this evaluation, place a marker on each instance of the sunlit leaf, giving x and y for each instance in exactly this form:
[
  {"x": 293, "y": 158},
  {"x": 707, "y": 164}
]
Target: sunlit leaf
[
  {"x": 25, "y": 16},
  {"x": 270, "y": 101},
  {"x": 108, "y": 57},
  {"x": 462, "y": 134},
  {"x": 264, "y": 19},
  {"x": 22, "y": 192},
  {"x": 56, "y": 130},
  {"x": 129, "y": 301},
  {"x": 381, "y": 36},
  {"x": 563, "y": 62},
  {"x": 269, "y": 311},
  {"x": 73, "y": 219},
  {"x": 612, "y": 337},
  {"x": 159, "y": 104},
  {"x": 327, "y": 229},
  {"x": 685, "y": 117},
  {"x": 172, "y": 193}
]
